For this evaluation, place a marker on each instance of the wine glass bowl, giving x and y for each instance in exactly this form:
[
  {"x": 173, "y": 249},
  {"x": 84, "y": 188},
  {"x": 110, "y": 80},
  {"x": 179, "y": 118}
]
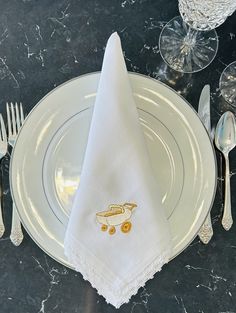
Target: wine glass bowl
[
  {"x": 228, "y": 84},
  {"x": 206, "y": 14}
]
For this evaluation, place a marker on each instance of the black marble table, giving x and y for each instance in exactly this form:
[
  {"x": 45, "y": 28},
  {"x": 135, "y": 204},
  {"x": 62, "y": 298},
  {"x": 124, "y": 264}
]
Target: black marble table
[{"x": 43, "y": 44}]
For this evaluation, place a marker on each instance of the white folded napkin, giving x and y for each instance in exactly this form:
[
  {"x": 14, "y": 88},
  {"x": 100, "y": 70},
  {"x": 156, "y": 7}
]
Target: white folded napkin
[{"x": 118, "y": 236}]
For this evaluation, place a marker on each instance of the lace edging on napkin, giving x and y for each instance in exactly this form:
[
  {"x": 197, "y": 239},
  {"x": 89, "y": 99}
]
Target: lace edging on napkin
[{"x": 112, "y": 295}]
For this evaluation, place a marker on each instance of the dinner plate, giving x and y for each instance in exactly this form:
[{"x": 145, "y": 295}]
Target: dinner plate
[{"x": 48, "y": 156}]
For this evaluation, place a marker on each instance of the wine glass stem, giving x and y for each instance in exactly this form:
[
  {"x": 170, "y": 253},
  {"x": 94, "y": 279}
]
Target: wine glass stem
[{"x": 189, "y": 40}]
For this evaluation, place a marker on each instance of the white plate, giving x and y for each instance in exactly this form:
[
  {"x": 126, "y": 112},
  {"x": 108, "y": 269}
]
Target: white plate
[{"x": 48, "y": 156}]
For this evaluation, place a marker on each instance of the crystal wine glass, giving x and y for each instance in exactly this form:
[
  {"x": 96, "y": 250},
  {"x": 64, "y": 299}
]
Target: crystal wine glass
[
  {"x": 189, "y": 43},
  {"x": 228, "y": 84}
]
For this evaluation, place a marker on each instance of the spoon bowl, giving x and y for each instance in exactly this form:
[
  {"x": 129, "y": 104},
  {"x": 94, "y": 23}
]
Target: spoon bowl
[{"x": 225, "y": 133}]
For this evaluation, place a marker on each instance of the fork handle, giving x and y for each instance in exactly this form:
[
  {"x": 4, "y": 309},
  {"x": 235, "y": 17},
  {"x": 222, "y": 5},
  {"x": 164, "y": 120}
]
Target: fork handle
[
  {"x": 16, "y": 235},
  {"x": 2, "y": 227}
]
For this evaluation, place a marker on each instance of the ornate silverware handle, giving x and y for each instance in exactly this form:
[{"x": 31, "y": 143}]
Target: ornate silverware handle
[
  {"x": 227, "y": 220},
  {"x": 206, "y": 232},
  {"x": 2, "y": 227},
  {"x": 16, "y": 235}
]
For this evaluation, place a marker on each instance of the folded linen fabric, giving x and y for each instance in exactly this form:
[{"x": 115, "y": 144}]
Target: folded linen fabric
[{"x": 118, "y": 236}]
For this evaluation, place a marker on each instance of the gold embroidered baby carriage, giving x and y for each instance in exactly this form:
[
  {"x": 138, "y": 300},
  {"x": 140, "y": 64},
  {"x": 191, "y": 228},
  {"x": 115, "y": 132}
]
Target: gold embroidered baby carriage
[{"x": 116, "y": 215}]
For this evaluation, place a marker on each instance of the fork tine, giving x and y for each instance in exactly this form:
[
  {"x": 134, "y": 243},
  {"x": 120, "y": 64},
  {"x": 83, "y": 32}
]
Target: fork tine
[
  {"x": 17, "y": 117},
  {"x": 8, "y": 121},
  {"x": 13, "y": 119},
  {"x": 3, "y": 129},
  {"x": 21, "y": 114}
]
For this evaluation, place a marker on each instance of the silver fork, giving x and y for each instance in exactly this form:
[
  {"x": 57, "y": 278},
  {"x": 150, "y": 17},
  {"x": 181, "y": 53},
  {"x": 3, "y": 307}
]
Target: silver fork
[
  {"x": 15, "y": 119},
  {"x": 3, "y": 151}
]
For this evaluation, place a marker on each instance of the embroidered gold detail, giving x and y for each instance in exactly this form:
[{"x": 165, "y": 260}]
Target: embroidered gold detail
[
  {"x": 116, "y": 215},
  {"x": 104, "y": 227},
  {"x": 126, "y": 227},
  {"x": 112, "y": 230}
]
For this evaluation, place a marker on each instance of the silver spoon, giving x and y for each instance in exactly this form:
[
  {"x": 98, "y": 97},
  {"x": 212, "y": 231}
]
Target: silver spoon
[{"x": 225, "y": 140}]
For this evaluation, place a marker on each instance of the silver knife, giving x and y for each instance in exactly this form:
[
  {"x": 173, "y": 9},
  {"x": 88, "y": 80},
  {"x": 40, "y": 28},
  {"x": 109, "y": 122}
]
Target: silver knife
[{"x": 206, "y": 231}]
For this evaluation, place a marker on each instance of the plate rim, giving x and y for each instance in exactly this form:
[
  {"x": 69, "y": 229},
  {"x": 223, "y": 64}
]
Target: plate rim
[{"x": 67, "y": 264}]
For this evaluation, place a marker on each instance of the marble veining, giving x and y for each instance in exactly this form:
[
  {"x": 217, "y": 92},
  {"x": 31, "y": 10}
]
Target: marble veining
[{"x": 45, "y": 43}]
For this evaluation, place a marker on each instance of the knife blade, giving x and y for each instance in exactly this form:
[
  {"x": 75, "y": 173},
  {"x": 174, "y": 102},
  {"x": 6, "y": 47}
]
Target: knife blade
[
  {"x": 204, "y": 108},
  {"x": 206, "y": 231}
]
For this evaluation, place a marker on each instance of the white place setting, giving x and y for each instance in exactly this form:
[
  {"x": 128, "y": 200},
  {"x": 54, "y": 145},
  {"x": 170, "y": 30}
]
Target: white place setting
[
  {"x": 56, "y": 139},
  {"x": 117, "y": 137}
]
